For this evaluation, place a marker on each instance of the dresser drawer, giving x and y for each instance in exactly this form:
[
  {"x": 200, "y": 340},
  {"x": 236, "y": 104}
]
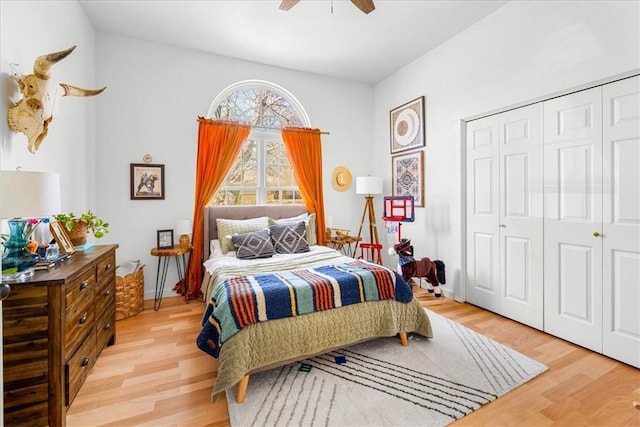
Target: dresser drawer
[
  {"x": 79, "y": 366},
  {"x": 105, "y": 293},
  {"x": 107, "y": 268},
  {"x": 81, "y": 290},
  {"x": 77, "y": 324},
  {"x": 106, "y": 327}
]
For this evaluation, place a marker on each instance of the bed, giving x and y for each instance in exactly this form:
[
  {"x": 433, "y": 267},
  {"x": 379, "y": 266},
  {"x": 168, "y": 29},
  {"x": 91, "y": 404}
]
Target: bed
[{"x": 245, "y": 347}]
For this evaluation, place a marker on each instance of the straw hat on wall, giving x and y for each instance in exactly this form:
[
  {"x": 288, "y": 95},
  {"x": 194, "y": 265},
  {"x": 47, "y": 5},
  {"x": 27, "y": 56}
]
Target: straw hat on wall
[{"x": 341, "y": 178}]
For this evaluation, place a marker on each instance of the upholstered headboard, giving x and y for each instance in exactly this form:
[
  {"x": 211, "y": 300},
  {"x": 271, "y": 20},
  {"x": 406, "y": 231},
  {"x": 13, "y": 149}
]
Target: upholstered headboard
[{"x": 243, "y": 212}]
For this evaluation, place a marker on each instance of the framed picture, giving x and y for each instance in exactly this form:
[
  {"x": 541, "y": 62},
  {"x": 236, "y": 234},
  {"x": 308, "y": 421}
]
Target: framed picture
[
  {"x": 147, "y": 181},
  {"x": 407, "y": 126},
  {"x": 408, "y": 176},
  {"x": 165, "y": 239},
  {"x": 61, "y": 237}
]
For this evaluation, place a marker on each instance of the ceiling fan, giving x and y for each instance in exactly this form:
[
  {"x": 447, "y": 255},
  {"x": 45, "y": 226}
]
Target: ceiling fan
[{"x": 365, "y": 6}]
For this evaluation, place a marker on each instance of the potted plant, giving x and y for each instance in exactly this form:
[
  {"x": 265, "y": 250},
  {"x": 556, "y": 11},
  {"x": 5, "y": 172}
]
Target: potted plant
[{"x": 79, "y": 226}]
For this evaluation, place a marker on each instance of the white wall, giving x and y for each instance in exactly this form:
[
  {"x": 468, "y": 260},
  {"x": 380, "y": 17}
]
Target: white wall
[
  {"x": 30, "y": 29},
  {"x": 522, "y": 51},
  {"x": 155, "y": 94}
]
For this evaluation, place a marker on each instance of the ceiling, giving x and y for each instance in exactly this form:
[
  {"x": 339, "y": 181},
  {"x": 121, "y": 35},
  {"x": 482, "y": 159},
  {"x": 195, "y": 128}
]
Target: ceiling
[{"x": 327, "y": 37}]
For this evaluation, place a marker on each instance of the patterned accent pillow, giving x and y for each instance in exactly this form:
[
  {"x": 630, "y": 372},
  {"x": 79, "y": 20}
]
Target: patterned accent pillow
[
  {"x": 289, "y": 238},
  {"x": 229, "y": 227},
  {"x": 253, "y": 245},
  {"x": 309, "y": 221}
]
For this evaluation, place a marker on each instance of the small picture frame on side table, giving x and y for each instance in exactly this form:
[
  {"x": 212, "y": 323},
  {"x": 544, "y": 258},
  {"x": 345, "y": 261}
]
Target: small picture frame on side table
[
  {"x": 165, "y": 239},
  {"x": 61, "y": 237}
]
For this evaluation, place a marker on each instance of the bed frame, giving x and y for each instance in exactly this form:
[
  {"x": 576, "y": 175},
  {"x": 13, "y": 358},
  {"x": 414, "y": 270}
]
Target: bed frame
[
  {"x": 243, "y": 212},
  {"x": 247, "y": 212}
]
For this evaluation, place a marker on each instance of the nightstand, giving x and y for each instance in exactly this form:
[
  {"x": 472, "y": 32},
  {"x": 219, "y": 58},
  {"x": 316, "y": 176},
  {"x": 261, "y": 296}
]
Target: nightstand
[{"x": 164, "y": 255}]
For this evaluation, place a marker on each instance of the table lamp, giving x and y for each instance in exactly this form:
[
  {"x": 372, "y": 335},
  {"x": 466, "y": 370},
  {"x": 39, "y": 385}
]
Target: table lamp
[
  {"x": 369, "y": 186},
  {"x": 183, "y": 229},
  {"x": 25, "y": 196}
]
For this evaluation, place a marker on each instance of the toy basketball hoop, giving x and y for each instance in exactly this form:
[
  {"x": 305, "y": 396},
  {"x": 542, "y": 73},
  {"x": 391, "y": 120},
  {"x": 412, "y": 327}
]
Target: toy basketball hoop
[{"x": 397, "y": 209}]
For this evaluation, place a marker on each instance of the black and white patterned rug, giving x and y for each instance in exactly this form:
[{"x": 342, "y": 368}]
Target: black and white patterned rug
[{"x": 432, "y": 382}]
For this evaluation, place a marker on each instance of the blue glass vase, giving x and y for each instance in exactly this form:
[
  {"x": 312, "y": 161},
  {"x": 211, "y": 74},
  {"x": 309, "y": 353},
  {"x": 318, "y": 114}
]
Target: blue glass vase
[{"x": 16, "y": 256}]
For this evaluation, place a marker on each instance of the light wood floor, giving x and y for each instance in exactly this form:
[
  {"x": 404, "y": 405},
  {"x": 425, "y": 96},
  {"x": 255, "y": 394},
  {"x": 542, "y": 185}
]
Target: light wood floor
[{"x": 156, "y": 376}]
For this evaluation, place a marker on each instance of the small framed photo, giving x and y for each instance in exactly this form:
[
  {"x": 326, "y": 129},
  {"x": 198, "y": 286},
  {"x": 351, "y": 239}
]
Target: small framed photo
[
  {"x": 408, "y": 176},
  {"x": 165, "y": 239},
  {"x": 147, "y": 181},
  {"x": 61, "y": 237},
  {"x": 407, "y": 126}
]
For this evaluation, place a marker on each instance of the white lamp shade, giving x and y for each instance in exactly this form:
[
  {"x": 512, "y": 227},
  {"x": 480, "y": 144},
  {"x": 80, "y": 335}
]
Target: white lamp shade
[
  {"x": 183, "y": 227},
  {"x": 368, "y": 185},
  {"x": 29, "y": 194}
]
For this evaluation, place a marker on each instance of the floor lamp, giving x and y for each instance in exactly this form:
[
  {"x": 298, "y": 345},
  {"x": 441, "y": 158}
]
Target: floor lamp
[{"x": 369, "y": 186}]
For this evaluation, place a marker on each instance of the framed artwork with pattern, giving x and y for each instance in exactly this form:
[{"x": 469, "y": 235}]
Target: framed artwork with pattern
[
  {"x": 407, "y": 126},
  {"x": 408, "y": 176}
]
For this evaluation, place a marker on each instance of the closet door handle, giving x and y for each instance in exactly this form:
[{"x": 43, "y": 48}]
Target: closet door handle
[
  {"x": 503, "y": 225},
  {"x": 596, "y": 234}
]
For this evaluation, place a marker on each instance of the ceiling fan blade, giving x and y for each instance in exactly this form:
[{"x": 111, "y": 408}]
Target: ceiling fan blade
[
  {"x": 288, "y": 4},
  {"x": 366, "y": 6}
]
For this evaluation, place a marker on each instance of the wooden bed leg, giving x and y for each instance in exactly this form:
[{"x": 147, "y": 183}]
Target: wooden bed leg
[
  {"x": 403, "y": 339},
  {"x": 242, "y": 389}
]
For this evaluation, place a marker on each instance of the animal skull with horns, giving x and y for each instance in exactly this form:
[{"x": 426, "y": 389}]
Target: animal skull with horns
[{"x": 40, "y": 97}]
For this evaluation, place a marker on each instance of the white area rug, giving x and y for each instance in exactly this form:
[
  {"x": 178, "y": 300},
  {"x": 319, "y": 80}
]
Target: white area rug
[{"x": 432, "y": 382}]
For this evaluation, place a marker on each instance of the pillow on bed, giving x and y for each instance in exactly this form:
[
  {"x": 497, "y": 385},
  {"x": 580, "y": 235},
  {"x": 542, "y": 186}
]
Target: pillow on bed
[
  {"x": 289, "y": 238},
  {"x": 253, "y": 245},
  {"x": 229, "y": 227},
  {"x": 215, "y": 251},
  {"x": 309, "y": 221}
]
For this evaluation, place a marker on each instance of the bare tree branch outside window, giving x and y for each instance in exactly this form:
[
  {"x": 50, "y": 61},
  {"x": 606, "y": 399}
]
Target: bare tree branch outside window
[{"x": 262, "y": 173}]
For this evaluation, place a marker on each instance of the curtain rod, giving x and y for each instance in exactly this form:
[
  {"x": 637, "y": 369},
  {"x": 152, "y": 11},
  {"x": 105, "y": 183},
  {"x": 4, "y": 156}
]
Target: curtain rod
[
  {"x": 261, "y": 127},
  {"x": 293, "y": 129}
]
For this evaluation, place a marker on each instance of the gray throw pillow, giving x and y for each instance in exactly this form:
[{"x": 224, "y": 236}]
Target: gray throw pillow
[
  {"x": 289, "y": 238},
  {"x": 253, "y": 245}
]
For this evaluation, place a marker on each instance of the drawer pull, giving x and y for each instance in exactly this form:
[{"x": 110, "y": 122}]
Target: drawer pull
[
  {"x": 84, "y": 285},
  {"x": 83, "y": 319},
  {"x": 107, "y": 326},
  {"x": 107, "y": 267},
  {"x": 85, "y": 362},
  {"x": 107, "y": 293}
]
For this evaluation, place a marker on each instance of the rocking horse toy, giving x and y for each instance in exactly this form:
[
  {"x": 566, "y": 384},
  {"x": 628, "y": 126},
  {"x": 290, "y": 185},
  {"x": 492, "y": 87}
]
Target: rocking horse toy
[{"x": 409, "y": 267}]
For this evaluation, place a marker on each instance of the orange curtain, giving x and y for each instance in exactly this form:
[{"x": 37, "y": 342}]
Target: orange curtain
[
  {"x": 219, "y": 144},
  {"x": 305, "y": 153}
]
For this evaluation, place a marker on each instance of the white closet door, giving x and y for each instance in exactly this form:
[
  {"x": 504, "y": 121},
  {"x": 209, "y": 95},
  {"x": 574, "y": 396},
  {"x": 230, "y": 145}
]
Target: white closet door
[
  {"x": 521, "y": 215},
  {"x": 573, "y": 218},
  {"x": 482, "y": 285},
  {"x": 621, "y": 220}
]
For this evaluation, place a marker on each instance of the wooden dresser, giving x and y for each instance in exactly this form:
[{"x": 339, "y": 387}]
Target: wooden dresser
[{"x": 54, "y": 327}]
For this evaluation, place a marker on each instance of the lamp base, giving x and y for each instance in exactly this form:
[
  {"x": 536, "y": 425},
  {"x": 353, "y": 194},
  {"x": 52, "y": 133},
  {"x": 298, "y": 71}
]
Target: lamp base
[
  {"x": 16, "y": 257},
  {"x": 184, "y": 242}
]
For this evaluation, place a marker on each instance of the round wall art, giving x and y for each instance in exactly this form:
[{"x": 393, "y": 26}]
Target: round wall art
[{"x": 407, "y": 126}]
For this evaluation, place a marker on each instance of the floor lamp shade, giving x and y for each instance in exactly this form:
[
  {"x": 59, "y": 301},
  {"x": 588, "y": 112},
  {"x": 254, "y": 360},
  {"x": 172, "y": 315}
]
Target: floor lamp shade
[{"x": 368, "y": 185}]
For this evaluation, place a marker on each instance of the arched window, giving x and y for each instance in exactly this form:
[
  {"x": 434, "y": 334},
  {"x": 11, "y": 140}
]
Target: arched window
[{"x": 262, "y": 173}]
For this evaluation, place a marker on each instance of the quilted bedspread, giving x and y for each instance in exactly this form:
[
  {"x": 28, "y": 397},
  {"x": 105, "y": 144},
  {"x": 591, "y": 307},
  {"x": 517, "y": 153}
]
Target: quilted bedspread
[{"x": 249, "y": 299}]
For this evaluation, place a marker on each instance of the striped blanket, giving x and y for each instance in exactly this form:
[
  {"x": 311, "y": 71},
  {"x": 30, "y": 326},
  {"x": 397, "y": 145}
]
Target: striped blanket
[{"x": 245, "y": 300}]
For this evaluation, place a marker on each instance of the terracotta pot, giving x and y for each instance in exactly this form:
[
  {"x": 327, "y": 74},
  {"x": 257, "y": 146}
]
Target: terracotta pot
[{"x": 78, "y": 234}]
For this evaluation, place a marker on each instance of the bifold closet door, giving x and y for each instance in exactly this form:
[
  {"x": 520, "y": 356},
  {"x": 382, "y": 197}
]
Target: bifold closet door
[
  {"x": 573, "y": 218},
  {"x": 621, "y": 220},
  {"x": 504, "y": 214}
]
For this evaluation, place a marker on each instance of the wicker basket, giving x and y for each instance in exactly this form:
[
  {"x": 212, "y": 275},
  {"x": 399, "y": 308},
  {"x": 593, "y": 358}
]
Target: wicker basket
[{"x": 130, "y": 294}]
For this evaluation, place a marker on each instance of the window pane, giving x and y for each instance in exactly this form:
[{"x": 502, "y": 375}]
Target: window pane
[{"x": 263, "y": 163}]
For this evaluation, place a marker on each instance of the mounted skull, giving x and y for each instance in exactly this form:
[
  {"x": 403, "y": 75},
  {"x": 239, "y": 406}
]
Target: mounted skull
[{"x": 40, "y": 97}]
